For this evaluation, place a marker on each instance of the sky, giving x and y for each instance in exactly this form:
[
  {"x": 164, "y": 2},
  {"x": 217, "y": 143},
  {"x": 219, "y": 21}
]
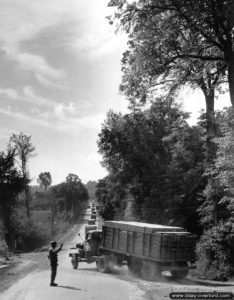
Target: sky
[{"x": 59, "y": 76}]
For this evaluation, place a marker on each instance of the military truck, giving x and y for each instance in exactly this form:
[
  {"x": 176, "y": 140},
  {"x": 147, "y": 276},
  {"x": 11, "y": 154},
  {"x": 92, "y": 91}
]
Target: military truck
[
  {"x": 89, "y": 228},
  {"x": 91, "y": 222},
  {"x": 146, "y": 248}
]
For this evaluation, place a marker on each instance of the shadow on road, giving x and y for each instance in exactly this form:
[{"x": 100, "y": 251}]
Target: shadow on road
[{"x": 69, "y": 287}]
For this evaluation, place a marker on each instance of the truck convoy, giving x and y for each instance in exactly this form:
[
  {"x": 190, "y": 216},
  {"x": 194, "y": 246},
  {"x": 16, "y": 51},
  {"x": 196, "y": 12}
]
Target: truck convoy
[{"x": 146, "y": 248}]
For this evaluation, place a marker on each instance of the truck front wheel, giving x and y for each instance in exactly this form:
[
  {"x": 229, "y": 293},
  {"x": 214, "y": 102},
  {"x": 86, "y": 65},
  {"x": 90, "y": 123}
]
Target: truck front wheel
[
  {"x": 74, "y": 262},
  {"x": 105, "y": 264},
  {"x": 151, "y": 270}
]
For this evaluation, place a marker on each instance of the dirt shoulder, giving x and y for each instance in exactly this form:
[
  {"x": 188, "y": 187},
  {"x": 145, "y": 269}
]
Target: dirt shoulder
[
  {"x": 20, "y": 265},
  {"x": 162, "y": 288}
]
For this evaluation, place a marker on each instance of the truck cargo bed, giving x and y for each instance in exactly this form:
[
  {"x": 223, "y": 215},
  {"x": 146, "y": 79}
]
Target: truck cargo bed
[{"x": 150, "y": 241}]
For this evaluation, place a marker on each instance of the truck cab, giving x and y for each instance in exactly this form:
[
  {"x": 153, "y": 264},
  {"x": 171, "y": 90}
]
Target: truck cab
[
  {"x": 88, "y": 250},
  {"x": 92, "y": 242}
]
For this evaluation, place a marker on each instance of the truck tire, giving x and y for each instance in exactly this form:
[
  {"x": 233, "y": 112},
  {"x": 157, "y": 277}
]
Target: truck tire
[
  {"x": 180, "y": 274},
  {"x": 105, "y": 264},
  {"x": 151, "y": 270},
  {"x": 134, "y": 265},
  {"x": 74, "y": 262}
]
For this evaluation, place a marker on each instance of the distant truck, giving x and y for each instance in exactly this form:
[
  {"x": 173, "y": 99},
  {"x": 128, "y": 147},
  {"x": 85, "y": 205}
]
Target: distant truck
[
  {"x": 89, "y": 228},
  {"x": 146, "y": 248},
  {"x": 91, "y": 222}
]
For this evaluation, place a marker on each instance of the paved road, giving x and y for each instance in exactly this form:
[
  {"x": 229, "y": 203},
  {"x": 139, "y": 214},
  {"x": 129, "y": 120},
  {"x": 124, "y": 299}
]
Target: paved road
[{"x": 86, "y": 283}]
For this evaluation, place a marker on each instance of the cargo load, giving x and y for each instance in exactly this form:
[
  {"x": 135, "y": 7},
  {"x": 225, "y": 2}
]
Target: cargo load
[{"x": 156, "y": 242}]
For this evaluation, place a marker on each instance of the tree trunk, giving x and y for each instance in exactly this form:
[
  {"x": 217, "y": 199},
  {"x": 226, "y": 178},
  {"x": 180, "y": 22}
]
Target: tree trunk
[
  {"x": 210, "y": 127},
  {"x": 229, "y": 56},
  {"x": 27, "y": 198},
  {"x": 231, "y": 77}
]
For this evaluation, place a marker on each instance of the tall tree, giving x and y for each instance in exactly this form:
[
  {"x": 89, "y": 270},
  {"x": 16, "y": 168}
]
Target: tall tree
[
  {"x": 112, "y": 198},
  {"x": 205, "y": 29},
  {"x": 45, "y": 180},
  {"x": 153, "y": 161},
  {"x": 161, "y": 57},
  {"x": 215, "y": 249},
  {"x": 24, "y": 149},
  {"x": 73, "y": 192},
  {"x": 91, "y": 187},
  {"x": 11, "y": 184}
]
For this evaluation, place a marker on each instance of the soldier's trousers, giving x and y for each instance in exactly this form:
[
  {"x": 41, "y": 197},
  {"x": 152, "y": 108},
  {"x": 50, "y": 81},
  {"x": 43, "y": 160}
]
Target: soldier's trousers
[{"x": 53, "y": 273}]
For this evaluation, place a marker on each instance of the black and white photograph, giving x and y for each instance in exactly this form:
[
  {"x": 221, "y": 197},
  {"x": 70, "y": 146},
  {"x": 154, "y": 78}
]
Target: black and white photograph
[{"x": 116, "y": 149}]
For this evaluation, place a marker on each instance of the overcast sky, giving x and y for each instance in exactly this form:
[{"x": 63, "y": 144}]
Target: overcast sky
[{"x": 59, "y": 75}]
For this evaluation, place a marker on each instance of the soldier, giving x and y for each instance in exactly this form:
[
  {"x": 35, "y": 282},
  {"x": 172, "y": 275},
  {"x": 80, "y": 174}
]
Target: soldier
[{"x": 53, "y": 257}]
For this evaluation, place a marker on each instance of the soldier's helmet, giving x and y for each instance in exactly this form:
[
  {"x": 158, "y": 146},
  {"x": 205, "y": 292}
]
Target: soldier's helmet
[{"x": 53, "y": 244}]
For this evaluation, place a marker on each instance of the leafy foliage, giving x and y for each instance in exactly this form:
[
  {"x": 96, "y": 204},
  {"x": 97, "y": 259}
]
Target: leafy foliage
[
  {"x": 176, "y": 39},
  {"x": 68, "y": 195},
  {"x": 168, "y": 51},
  {"x": 215, "y": 252},
  {"x": 11, "y": 184},
  {"x": 216, "y": 209},
  {"x": 91, "y": 187},
  {"x": 23, "y": 149},
  {"x": 155, "y": 165},
  {"x": 112, "y": 198},
  {"x": 44, "y": 180}
]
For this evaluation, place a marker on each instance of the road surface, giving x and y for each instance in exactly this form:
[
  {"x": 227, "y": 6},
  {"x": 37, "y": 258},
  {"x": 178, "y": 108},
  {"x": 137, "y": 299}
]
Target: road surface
[{"x": 86, "y": 283}]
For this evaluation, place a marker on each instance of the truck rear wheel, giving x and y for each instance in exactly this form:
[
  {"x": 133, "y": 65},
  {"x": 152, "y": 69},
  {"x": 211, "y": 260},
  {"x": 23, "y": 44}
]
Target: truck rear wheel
[
  {"x": 151, "y": 270},
  {"x": 180, "y": 274},
  {"x": 134, "y": 265},
  {"x": 105, "y": 264},
  {"x": 74, "y": 262}
]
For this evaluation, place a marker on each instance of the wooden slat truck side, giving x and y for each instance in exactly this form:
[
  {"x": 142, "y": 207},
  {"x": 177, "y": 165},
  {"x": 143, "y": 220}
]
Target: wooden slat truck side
[{"x": 147, "y": 247}]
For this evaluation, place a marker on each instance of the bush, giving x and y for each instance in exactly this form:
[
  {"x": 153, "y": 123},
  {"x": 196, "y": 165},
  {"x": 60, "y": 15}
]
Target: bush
[
  {"x": 32, "y": 237},
  {"x": 213, "y": 251},
  {"x": 31, "y": 234}
]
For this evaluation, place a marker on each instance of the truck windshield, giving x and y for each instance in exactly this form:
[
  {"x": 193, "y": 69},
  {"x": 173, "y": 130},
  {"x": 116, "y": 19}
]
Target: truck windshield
[{"x": 97, "y": 236}]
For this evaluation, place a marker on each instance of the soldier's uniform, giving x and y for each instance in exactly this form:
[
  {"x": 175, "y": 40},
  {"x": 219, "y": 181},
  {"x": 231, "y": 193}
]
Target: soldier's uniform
[{"x": 53, "y": 257}]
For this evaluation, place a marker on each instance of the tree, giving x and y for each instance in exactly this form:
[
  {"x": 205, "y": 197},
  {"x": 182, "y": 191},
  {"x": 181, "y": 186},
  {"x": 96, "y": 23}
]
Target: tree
[
  {"x": 161, "y": 57},
  {"x": 215, "y": 248},
  {"x": 23, "y": 151},
  {"x": 73, "y": 179},
  {"x": 91, "y": 187},
  {"x": 44, "y": 180},
  {"x": 11, "y": 184},
  {"x": 205, "y": 29},
  {"x": 71, "y": 193},
  {"x": 154, "y": 160},
  {"x": 112, "y": 198}
]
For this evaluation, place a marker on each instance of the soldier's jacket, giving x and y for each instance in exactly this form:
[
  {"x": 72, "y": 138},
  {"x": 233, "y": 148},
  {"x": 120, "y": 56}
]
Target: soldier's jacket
[{"x": 53, "y": 256}]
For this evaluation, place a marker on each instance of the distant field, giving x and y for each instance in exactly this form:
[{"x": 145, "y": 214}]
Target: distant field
[
  {"x": 42, "y": 219},
  {"x": 41, "y": 216}
]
